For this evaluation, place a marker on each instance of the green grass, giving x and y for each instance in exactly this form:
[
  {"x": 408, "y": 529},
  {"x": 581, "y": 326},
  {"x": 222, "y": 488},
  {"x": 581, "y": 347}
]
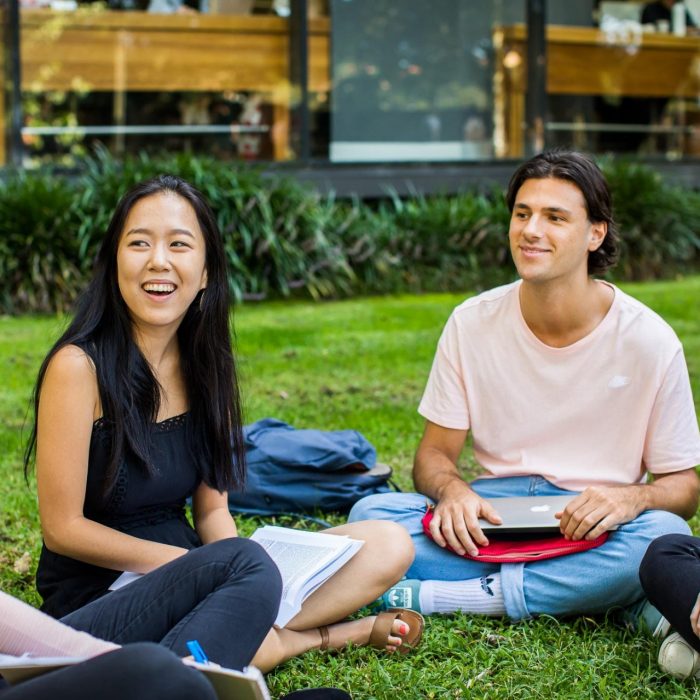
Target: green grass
[{"x": 363, "y": 364}]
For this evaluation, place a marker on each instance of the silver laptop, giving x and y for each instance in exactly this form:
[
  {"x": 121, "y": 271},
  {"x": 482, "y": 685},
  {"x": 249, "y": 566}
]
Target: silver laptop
[{"x": 526, "y": 514}]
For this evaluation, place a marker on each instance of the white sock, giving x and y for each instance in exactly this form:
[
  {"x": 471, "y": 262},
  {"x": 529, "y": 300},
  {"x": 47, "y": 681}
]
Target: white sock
[{"x": 482, "y": 596}]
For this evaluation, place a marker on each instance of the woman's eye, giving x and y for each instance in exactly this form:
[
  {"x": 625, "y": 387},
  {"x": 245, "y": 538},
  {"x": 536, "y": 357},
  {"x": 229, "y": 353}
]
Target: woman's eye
[
  {"x": 138, "y": 244},
  {"x": 179, "y": 244}
]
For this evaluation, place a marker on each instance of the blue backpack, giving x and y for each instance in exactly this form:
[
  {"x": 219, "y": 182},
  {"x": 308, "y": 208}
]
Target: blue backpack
[{"x": 301, "y": 471}]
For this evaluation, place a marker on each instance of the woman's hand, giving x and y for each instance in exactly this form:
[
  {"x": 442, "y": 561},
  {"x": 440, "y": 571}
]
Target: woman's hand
[{"x": 695, "y": 617}]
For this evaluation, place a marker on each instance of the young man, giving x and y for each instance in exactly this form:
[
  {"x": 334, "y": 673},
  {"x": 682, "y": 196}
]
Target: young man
[{"x": 568, "y": 386}]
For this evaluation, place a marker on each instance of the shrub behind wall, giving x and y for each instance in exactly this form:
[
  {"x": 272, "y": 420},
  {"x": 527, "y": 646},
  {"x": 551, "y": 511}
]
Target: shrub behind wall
[
  {"x": 659, "y": 223},
  {"x": 282, "y": 238},
  {"x": 40, "y": 262}
]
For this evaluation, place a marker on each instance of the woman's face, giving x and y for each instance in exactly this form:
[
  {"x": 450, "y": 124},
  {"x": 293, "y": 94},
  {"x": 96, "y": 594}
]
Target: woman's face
[{"x": 161, "y": 261}]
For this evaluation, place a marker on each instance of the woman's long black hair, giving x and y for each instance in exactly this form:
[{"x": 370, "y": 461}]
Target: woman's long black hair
[{"x": 129, "y": 391}]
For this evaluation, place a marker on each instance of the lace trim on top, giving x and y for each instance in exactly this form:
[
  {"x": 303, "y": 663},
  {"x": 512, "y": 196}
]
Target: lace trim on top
[
  {"x": 121, "y": 483},
  {"x": 118, "y": 494},
  {"x": 163, "y": 426}
]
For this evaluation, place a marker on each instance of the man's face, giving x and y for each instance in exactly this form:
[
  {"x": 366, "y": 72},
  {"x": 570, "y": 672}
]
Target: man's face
[{"x": 550, "y": 234}]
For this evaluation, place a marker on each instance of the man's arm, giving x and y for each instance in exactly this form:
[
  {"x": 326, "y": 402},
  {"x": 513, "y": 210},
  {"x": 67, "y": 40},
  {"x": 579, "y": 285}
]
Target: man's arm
[
  {"x": 458, "y": 509},
  {"x": 599, "y": 508}
]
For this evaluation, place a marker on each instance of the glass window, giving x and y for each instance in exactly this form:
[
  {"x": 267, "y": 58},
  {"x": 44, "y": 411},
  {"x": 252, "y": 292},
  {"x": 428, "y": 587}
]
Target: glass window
[
  {"x": 388, "y": 80},
  {"x": 413, "y": 81},
  {"x": 210, "y": 76},
  {"x": 627, "y": 82}
]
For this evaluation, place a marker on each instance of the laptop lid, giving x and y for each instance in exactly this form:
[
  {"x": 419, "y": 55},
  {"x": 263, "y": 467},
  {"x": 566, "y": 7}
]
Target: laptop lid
[{"x": 526, "y": 514}]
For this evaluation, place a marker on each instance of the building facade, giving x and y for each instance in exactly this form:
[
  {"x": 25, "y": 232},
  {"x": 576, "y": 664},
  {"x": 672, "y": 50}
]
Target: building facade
[{"x": 354, "y": 95}]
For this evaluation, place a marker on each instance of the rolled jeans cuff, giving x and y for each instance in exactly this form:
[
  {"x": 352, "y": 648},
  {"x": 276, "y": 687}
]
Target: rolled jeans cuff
[{"x": 513, "y": 591}]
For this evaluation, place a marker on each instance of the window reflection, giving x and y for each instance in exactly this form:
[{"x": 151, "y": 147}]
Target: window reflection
[
  {"x": 413, "y": 81},
  {"x": 389, "y": 80},
  {"x": 202, "y": 76}
]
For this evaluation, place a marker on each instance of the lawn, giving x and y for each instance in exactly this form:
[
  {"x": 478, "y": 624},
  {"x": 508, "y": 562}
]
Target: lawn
[{"x": 362, "y": 364}]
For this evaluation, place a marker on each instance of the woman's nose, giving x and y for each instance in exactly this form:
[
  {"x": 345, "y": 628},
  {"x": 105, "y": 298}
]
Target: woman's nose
[{"x": 160, "y": 258}]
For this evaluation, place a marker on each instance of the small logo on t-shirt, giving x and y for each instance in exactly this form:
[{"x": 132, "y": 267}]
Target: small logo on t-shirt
[{"x": 618, "y": 381}]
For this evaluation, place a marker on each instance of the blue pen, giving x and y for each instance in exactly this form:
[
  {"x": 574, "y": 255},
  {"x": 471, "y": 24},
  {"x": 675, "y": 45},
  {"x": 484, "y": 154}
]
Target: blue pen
[{"x": 197, "y": 652}]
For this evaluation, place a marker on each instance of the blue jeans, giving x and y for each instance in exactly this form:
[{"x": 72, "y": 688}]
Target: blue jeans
[
  {"x": 586, "y": 582},
  {"x": 225, "y": 595}
]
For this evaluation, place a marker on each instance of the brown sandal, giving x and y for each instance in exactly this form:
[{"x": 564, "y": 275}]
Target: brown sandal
[
  {"x": 381, "y": 630},
  {"x": 325, "y": 637}
]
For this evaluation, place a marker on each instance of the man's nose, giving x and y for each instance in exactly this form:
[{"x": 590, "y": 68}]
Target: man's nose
[{"x": 533, "y": 227}]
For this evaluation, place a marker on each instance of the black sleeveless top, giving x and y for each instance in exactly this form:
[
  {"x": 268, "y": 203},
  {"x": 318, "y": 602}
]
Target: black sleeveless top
[{"x": 149, "y": 507}]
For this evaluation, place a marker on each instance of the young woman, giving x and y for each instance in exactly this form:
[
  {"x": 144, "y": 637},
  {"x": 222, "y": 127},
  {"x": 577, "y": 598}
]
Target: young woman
[
  {"x": 670, "y": 576},
  {"x": 137, "y": 409}
]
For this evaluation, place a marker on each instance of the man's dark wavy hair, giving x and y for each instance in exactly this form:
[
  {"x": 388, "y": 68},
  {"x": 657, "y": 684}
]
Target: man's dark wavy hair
[
  {"x": 586, "y": 175},
  {"x": 129, "y": 391}
]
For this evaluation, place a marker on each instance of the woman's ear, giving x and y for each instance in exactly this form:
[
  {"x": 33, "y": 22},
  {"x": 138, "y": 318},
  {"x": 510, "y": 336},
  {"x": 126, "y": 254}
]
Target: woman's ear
[{"x": 599, "y": 229}]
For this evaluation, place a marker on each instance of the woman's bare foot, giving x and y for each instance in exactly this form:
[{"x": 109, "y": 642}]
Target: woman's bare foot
[{"x": 358, "y": 632}]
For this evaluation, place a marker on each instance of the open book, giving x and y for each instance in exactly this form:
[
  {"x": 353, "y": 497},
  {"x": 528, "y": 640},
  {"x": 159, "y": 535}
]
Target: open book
[
  {"x": 305, "y": 560},
  {"x": 248, "y": 684}
]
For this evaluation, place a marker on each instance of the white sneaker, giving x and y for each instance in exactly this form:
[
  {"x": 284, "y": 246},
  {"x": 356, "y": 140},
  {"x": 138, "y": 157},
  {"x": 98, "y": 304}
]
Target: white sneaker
[{"x": 678, "y": 658}]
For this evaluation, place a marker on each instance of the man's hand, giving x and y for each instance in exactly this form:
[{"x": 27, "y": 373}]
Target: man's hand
[
  {"x": 695, "y": 617},
  {"x": 598, "y": 509},
  {"x": 455, "y": 519}
]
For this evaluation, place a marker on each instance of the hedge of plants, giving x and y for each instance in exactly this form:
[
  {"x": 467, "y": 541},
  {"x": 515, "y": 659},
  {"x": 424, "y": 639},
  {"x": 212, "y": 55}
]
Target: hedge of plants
[{"x": 282, "y": 238}]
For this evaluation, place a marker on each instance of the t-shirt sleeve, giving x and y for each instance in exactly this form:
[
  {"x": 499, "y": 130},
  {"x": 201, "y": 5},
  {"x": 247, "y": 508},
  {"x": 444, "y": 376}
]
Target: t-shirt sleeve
[
  {"x": 444, "y": 401},
  {"x": 673, "y": 439}
]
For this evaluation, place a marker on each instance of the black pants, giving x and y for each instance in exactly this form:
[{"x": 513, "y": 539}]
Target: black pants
[
  {"x": 225, "y": 595},
  {"x": 670, "y": 576},
  {"x": 136, "y": 672}
]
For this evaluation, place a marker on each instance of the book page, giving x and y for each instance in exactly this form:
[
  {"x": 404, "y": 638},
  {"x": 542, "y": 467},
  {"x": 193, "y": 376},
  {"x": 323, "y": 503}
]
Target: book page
[
  {"x": 15, "y": 669},
  {"x": 24, "y": 629},
  {"x": 305, "y": 560},
  {"x": 247, "y": 684},
  {"x": 125, "y": 579}
]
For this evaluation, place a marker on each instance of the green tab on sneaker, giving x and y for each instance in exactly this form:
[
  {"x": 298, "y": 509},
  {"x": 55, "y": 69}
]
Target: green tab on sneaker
[
  {"x": 405, "y": 594},
  {"x": 642, "y": 615}
]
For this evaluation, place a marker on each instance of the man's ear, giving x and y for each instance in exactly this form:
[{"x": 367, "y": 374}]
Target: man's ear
[{"x": 599, "y": 229}]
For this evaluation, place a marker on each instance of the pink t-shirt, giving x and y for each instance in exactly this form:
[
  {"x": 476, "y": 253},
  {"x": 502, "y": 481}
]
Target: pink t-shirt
[{"x": 602, "y": 411}]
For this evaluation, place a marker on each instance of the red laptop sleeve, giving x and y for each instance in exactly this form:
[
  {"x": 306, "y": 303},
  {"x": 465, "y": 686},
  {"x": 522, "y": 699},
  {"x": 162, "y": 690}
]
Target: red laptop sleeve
[{"x": 502, "y": 551}]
